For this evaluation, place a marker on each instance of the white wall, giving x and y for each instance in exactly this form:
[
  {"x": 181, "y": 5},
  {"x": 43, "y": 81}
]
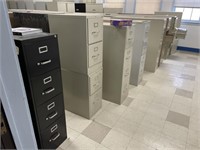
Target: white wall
[
  {"x": 129, "y": 6},
  {"x": 166, "y": 5},
  {"x": 193, "y": 36}
]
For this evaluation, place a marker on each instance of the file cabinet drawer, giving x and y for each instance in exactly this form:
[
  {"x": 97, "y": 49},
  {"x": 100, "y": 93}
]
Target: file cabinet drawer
[
  {"x": 130, "y": 32},
  {"x": 95, "y": 82},
  {"x": 127, "y": 57},
  {"x": 129, "y": 42},
  {"x": 55, "y": 134},
  {"x": 95, "y": 102},
  {"x": 50, "y": 111},
  {"x": 95, "y": 53},
  {"x": 95, "y": 30},
  {"x": 46, "y": 86},
  {"x": 42, "y": 56},
  {"x": 125, "y": 88}
]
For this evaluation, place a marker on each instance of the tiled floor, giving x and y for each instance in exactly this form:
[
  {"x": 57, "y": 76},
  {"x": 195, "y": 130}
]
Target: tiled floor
[{"x": 162, "y": 113}]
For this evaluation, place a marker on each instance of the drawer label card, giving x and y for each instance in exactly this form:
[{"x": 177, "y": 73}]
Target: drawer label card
[
  {"x": 43, "y": 49},
  {"x": 47, "y": 80}
]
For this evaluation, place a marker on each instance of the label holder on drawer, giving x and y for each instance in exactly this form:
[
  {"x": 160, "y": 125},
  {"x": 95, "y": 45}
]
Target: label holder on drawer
[
  {"x": 50, "y": 106},
  {"x": 47, "y": 80},
  {"x": 43, "y": 49},
  {"x": 55, "y": 127},
  {"x": 96, "y": 24}
]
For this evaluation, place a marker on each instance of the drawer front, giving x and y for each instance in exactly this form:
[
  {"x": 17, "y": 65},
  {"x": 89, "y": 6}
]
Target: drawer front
[
  {"x": 42, "y": 56},
  {"x": 95, "y": 54},
  {"x": 147, "y": 27},
  {"x": 129, "y": 42},
  {"x": 95, "y": 102},
  {"x": 94, "y": 8},
  {"x": 130, "y": 32},
  {"x": 127, "y": 57},
  {"x": 55, "y": 134},
  {"x": 50, "y": 111},
  {"x": 95, "y": 82},
  {"x": 46, "y": 86},
  {"x": 95, "y": 30},
  {"x": 125, "y": 88},
  {"x": 144, "y": 50}
]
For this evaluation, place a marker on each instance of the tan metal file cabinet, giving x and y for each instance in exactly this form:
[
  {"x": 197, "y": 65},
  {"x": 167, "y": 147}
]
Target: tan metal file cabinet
[
  {"x": 117, "y": 53},
  {"x": 81, "y": 43}
]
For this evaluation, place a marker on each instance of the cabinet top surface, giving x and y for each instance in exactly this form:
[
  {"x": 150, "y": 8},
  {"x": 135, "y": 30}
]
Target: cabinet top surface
[
  {"x": 35, "y": 11},
  {"x": 32, "y": 36},
  {"x": 80, "y": 14}
]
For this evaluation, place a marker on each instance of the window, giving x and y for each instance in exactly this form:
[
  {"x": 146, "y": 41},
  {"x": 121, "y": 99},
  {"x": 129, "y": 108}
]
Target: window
[
  {"x": 190, "y": 9},
  {"x": 189, "y": 14}
]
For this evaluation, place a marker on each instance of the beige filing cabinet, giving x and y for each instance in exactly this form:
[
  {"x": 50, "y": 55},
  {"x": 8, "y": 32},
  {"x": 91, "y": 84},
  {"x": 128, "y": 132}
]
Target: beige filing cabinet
[
  {"x": 61, "y": 6},
  {"x": 117, "y": 54},
  {"x": 155, "y": 39},
  {"x": 80, "y": 43},
  {"x": 179, "y": 15},
  {"x": 21, "y": 4},
  {"x": 40, "y": 5},
  {"x": 112, "y": 10},
  {"x": 139, "y": 51},
  {"x": 30, "y": 5},
  {"x": 94, "y": 8}
]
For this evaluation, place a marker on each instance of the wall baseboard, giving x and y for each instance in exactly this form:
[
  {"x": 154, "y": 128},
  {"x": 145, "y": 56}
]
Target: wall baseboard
[{"x": 188, "y": 49}]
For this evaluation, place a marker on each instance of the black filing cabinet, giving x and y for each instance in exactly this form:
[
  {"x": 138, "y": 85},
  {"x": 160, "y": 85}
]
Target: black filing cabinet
[
  {"x": 80, "y": 7},
  {"x": 40, "y": 65}
]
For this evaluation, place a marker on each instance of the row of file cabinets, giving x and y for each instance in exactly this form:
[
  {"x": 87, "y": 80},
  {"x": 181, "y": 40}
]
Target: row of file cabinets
[
  {"x": 56, "y": 6},
  {"x": 40, "y": 66}
]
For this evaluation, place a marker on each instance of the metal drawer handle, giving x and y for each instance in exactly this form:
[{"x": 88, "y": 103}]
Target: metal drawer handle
[
  {"x": 54, "y": 128},
  {"x": 52, "y": 116},
  {"x": 43, "y": 49},
  {"x": 47, "y": 80},
  {"x": 94, "y": 56},
  {"x": 50, "y": 106},
  {"x": 93, "y": 9},
  {"x": 129, "y": 39},
  {"x": 53, "y": 139},
  {"x": 44, "y": 62},
  {"x": 48, "y": 91}
]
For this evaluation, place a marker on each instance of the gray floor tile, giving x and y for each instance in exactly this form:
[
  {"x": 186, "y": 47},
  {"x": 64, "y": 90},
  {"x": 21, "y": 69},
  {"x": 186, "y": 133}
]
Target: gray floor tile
[
  {"x": 190, "y": 66},
  {"x": 184, "y": 93},
  {"x": 143, "y": 82},
  {"x": 194, "y": 58},
  {"x": 178, "y": 118},
  {"x": 127, "y": 101},
  {"x": 187, "y": 77},
  {"x": 96, "y": 131}
]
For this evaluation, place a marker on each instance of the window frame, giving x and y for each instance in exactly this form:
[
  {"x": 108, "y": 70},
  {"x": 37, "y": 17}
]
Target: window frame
[{"x": 188, "y": 21}]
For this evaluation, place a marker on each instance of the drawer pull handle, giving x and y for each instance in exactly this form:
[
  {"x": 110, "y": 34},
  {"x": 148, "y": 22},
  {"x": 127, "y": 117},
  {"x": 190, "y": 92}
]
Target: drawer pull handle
[
  {"x": 47, "y": 80},
  {"x": 50, "y": 106},
  {"x": 54, "y": 128},
  {"x": 52, "y": 116},
  {"x": 44, "y": 62},
  {"x": 95, "y": 56},
  {"x": 48, "y": 91},
  {"x": 53, "y": 139},
  {"x": 43, "y": 49},
  {"x": 93, "y": 9}
]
